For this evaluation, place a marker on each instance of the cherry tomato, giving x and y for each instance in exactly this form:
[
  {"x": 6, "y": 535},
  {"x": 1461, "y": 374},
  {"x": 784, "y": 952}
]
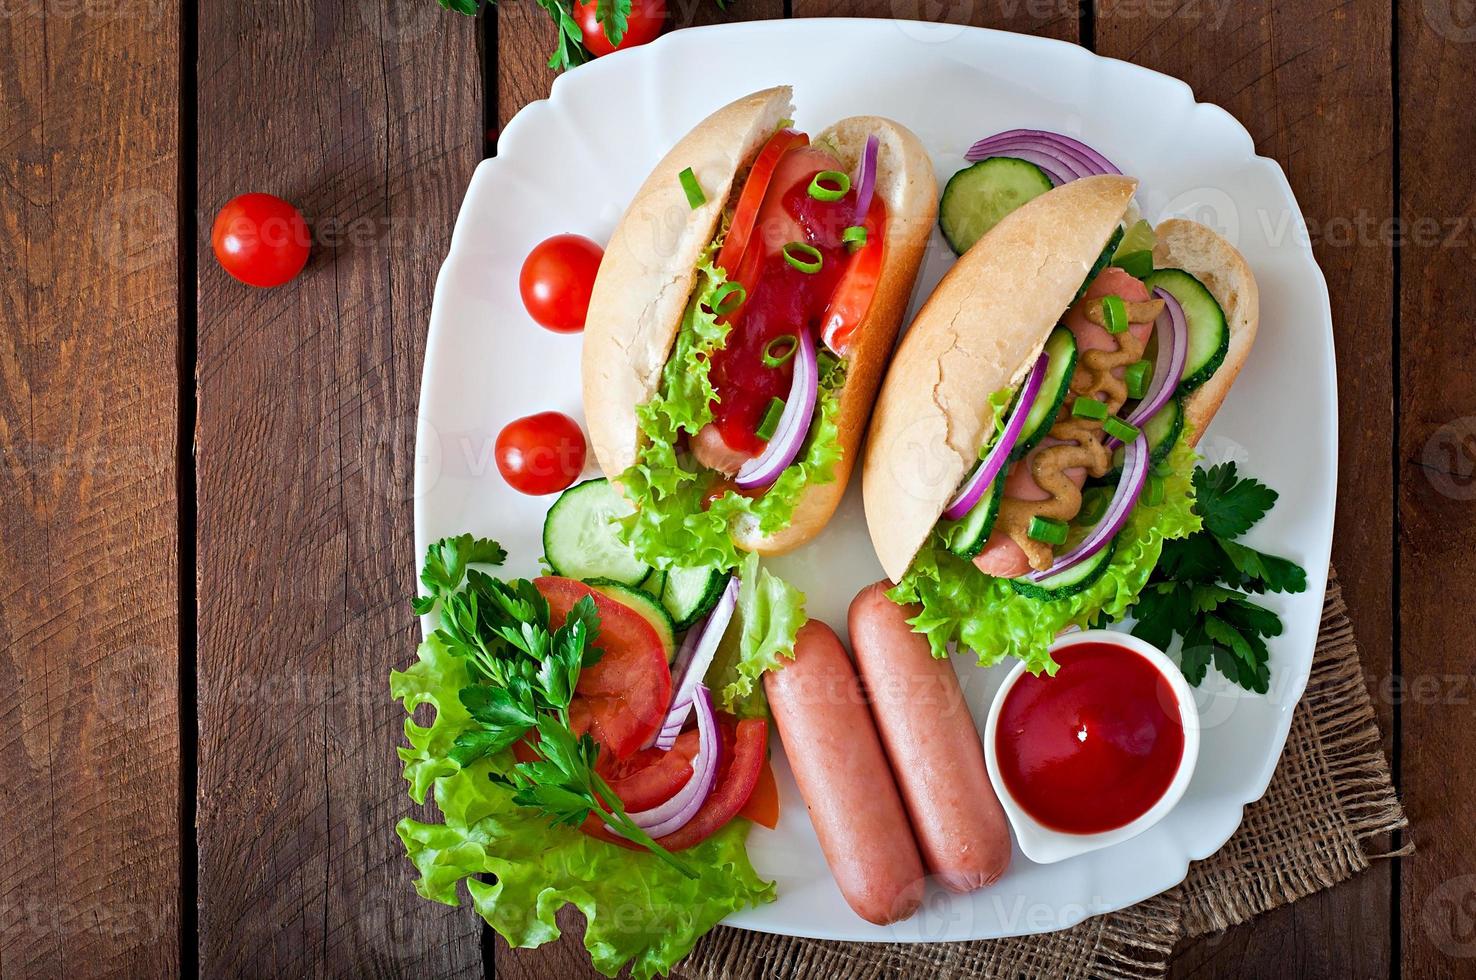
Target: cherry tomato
[
  {"x": 645, "y": 23},
  {"x": 557, "y": 278},
  {"x": 628, "y": 691},
  {"x": 541, "y": 453},
  {"x": 261, "y": 240}
]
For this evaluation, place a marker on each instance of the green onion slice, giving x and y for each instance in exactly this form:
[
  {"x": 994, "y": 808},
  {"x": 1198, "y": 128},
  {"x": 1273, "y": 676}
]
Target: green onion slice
[
  {"x": 1093, "y": 507},
  {"x": 804, "y": 257},
  {"x": 854, "y": 237},
  {"x": 1119, "y": 429},
  {"x": 1136, "y": 264},
  {"x": 779, "y": 350},
  {"x": 1114, "y": 311},
  {"x": 830, "y": 185},
  {"x": 1153, "y": 492},
  {"x": 770, "y": 423},
  {"x": 1137, "y": 376},
  {"x": 1047, "y": 530},
  {"x": 1088, "y": 408},
  {"x": 727, "y": 298},
  {"x": 695, "y": 197}
]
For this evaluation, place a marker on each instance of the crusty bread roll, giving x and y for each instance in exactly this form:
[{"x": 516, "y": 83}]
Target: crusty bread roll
[
  {"x": 649, "y": 271},
  {"x": 980, "y": 331}
]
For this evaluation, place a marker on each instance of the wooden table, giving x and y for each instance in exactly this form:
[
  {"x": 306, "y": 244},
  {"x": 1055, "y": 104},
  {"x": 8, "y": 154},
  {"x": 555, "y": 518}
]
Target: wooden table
[{"x": 205, "y": 545}]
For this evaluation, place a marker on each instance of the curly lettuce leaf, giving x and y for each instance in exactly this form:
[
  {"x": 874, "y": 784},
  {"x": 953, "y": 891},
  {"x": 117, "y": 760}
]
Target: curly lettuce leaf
[
  {"x": 641, "y": 913},
  {"x": 961, "y": 606},
  {"x": 769, "y": 614},
  {"x": 673, "y": 523}
]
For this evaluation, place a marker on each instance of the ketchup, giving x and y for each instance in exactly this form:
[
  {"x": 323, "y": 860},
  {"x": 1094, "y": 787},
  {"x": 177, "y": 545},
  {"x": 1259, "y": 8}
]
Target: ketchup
[
  {"x": 1093, "y": 748},
  {"x": 781, "y": 301}
]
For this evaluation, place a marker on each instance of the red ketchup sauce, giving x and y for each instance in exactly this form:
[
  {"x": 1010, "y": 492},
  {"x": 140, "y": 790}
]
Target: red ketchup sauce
[
  {"x": 1093, "y": 748},
  {"x": 782, "y": 300}
]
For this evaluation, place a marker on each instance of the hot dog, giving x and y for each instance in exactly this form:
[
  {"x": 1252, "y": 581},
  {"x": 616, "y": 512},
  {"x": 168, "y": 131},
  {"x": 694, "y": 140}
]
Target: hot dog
[
  {"x": 842, "y": 772},
  {"x": 933, "y": 746},
  {"x": 741, "y": 320}
]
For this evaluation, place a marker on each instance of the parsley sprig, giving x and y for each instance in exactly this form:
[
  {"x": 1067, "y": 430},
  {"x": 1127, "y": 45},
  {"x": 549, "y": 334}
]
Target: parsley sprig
[
  {"x": 1199, "y": 589},
  {"x": 525, "y": 677}
]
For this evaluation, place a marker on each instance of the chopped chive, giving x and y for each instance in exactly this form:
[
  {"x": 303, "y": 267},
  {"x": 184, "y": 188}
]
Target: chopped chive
[
  {"x": 1137, "y": 376},
  {"x": 727, "y": 298},
  {"x": 1114, "y": 311},
  {"x": 1118, "y": 429},
  {"x": 1136, "y": 264},
  {"x": 695, "y": 197},
  {"x": 854, "y": 237},
  {"x": 780, "y": 349},
  {"x": 1088, "y": 408},
  {"x": 830, "y": 185},
  {"x": 803, "y": 256},
  {"x": 770, "y": 423},
  {"x": 1047, "y": 530},
  {"x": 1093, "y": 507},
  {"x": 784, "y": 124},
  {"x": 1153, "y": 492}
]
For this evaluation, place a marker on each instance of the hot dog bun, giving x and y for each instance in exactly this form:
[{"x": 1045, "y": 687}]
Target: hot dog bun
[
  {"x": 979, "y": 332},
  {"x": 1201, "y": 252},
  {"x": 649, "y": 271}
]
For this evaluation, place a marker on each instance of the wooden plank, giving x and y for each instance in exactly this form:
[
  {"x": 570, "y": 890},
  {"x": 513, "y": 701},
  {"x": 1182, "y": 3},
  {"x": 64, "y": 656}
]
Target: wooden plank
[
  {"x": 368, "y": 115},
  {"x": 1436, "y": 464},
  {"x": 89, "y": 606},
  {"x": 1310, "y": 80}
]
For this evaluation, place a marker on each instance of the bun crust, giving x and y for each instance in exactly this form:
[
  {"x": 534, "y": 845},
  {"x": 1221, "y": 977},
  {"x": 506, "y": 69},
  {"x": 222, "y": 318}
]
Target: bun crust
[
  {"x": 1201, "y": 252},
  {"x": 979, "y": 332}
]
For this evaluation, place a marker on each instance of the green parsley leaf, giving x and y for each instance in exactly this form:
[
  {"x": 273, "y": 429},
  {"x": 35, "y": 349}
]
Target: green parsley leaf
[
  {"x": 1262, "y": 572},
  {"x": 613, "y": 16},
  {"x": 1230, "y": 506}
]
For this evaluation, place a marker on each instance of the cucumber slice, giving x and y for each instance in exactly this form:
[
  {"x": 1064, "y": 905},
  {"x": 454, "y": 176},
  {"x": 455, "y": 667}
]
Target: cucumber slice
[
  {"x": 650, "y": 609},
  {"x": 1104, "y": 259},
  {"x": 966, "y": 537},
  {"x": 978, "y": 196},
  {"x": 1162, "y": 431},
  {"x": 1061, "y": 345},
  {"x": 654, "y": 584},
  {"x": 1209, "y": 336},
  {"x": 691, "y": 593},
  {"x": 1138, "y": 238},
  {"x": 1069, "y": 582},
  {"x": 579, "y": 536}
]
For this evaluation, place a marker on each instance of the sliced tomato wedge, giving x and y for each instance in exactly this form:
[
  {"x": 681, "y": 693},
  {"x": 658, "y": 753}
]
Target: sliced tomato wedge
[
  {"x": 857, "y": 288},
  {"x": 626, "y": 694},
  {"x": 651, "y": 777},
  {"x": 763, "y": 806},
  {"x": 755, "y": 186}
]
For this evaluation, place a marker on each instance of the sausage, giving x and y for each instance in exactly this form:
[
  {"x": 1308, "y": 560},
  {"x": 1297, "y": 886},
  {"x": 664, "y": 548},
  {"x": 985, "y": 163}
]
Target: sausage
[
  {"x": 713, "y": 451},
  {"x": 842, "y": 773},
  {"x": 932, "y": 744}
]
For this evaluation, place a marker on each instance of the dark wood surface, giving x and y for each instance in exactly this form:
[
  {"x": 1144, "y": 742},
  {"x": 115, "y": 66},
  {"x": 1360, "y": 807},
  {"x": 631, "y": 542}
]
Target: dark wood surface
[{"x": 204, "y": 489}]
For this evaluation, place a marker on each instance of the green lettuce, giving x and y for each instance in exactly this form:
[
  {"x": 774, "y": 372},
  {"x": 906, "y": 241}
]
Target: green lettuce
[
  {"x": 640, "y": 912},
  {"x": 769, "y": 614},
  {"x": 959, "y": 605},
  {"x": 673, "y": 523}
]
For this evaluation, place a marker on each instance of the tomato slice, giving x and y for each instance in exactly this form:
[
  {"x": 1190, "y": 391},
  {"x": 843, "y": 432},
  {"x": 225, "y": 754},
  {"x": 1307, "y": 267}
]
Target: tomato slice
[
  {"x": 651, "y": 777},
  {"x": 745, "y": 212},
  {"x": 763, "y": 806},
  {"x": 852, "y": 298},
  {"x": 627, "y": 693}
]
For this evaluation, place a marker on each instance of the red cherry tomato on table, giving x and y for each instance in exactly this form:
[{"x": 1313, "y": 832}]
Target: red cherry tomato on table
[
  {"x": 261, "y": 240},
  {"x": 541, "y": 453},
  {"x": 557, "y": 278},
  {"x": 646, "y": 21}
]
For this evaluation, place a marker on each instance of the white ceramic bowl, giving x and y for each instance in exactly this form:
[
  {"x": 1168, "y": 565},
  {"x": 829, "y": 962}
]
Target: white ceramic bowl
[{"x": 1042, "y": 844}]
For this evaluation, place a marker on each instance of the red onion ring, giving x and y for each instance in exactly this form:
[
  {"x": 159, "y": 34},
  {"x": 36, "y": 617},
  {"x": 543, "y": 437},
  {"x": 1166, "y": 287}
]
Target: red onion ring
[
  {"x": 709, "y": 634},
  {"x": 983, "y": 476},
  {"x": 675, "y": 813},
  {"x": 1173, "y": 350},
  {"x": 794, "y": 421},
  {"x": 866, "y": 178},
  {"x": 1060, "y": 145},
  {"x": 1135, "y": 466}
]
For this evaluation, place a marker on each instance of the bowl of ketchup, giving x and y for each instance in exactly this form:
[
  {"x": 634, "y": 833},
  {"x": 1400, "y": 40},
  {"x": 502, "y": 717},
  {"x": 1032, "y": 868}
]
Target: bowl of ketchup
[{"x": 1096, "y": 754}]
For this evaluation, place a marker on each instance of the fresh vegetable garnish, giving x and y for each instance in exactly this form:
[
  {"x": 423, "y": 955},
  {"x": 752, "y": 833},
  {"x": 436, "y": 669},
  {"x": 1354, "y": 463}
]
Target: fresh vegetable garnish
[
  {"x": 830, "y": 185},
  {"x": 1062, "y": 158},
  {"x": 675, "y": 813},
  {"x": 804, "y": 257},
  {"x": 541, "y": 453},
  {"x": 1114, "y": 311},
  {"x": 1048, "y": 530},
  {"x": 557, "y": 279},
  {"x": 727, "y": 298},
  {"x": 998, "y": 457},
  {"x": 693, "y": 190},
  {"x": 1172, "y": 332},
  {"x": 854, "y": 237},
  {"x": 794, "y": 421},
  {"x": 1088, "y": 408},
  {"x": 751, "y": 198},
  {"x": 1138, "y": 238},
  {"x": 772, "y": 415},
  {"x": 1135, "y": 264},
  {"x": 1119, "y": 430},
  {"x": 866, "y": 177},
  {"x": 1153, "y": 492},
  {"x": 614, "y": 25},
  {"x": 852, "y": 298},
  {"x": 1137, "y": 376},
  {"x": 1136, "y": 461},
  {"x": 692, "y": 662},
  {"x": 261, "y": 240},
  {"x": 1198, "y": 591},
  {"x": 780, "y": 349}
]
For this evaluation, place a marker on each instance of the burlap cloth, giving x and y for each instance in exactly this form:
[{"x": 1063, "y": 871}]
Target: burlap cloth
[{"x": 1324, "y": 817}]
